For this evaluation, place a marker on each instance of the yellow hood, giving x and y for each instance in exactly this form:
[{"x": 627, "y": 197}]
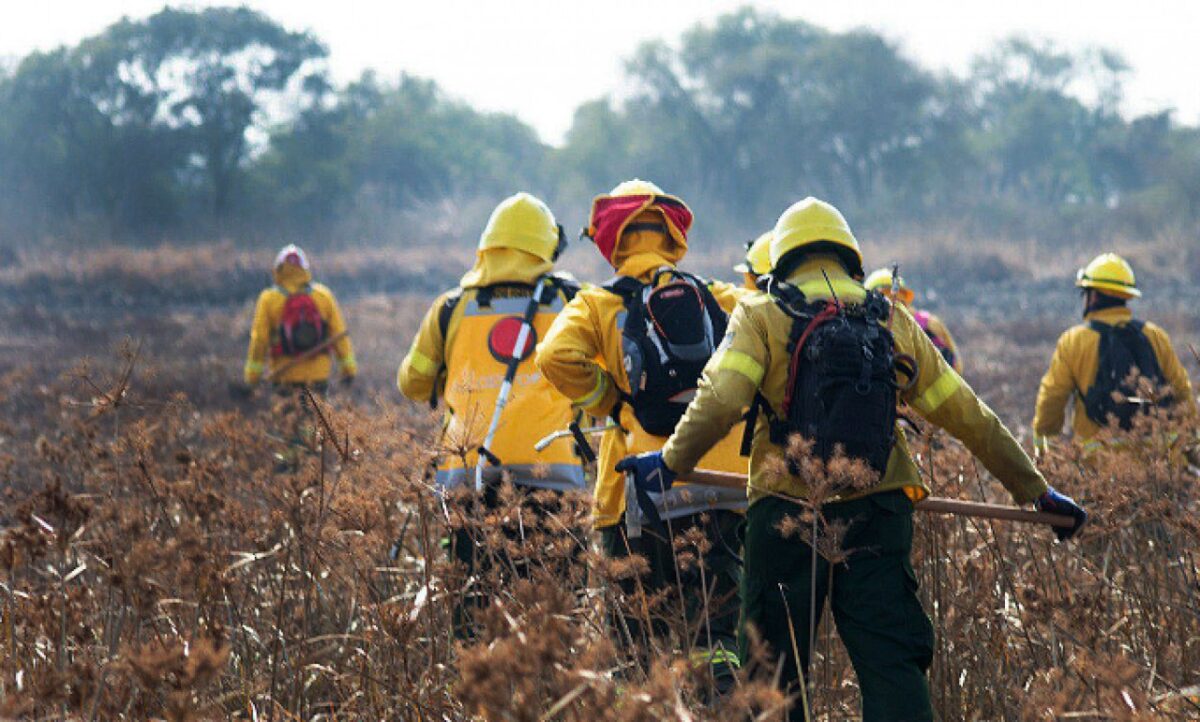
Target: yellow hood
[
  {"x": 291, "y": 278},
  {"x": 505, "y": 265},
  {"x": 639, "y": 252}
]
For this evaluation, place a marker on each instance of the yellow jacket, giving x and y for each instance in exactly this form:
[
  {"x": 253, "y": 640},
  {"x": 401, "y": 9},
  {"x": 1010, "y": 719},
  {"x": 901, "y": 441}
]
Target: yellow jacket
[
  {"x": 754, "y": 358},
  {"x": 264, "y": 332},
  {"x": 582, "y": 356},
  {"x": 1073, "y": 370},
  {"x": 450, "y": 359}
]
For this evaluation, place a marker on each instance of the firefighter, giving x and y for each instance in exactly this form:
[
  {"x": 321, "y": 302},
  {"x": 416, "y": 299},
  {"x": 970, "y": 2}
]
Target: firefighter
[
  {"x": 296, "y": 333},
  {"x": 292, "y": 318},
  {"x": 467, "y": 343},
  {"x": 1094, "y": 359},
  {"x": 881, "y": 280},
  {"x": 632, "y": 351},
  {"x": 757, "y": 263},
  {"x": 872, "y": 588}
]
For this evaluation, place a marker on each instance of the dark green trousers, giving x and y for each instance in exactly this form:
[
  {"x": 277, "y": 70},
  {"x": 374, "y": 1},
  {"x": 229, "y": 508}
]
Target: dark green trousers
[
  {"x": 714, "y": 638},
  {"x": 873, "y": 597}
]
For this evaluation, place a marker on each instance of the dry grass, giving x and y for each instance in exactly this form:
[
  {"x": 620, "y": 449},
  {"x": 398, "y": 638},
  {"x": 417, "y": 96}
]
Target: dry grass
[{"x": 152, "y": 565}]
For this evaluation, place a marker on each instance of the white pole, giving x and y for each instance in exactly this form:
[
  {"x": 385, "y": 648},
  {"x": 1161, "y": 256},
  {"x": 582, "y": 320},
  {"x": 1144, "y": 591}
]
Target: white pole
[{"x": 506, "y": 387}]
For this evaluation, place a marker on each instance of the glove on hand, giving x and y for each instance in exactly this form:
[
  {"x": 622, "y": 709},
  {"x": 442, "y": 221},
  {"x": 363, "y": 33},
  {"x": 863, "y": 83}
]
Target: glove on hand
[
  {"x": 347, "y": 380},
  {"x": 650, "y": 473},
  {"x": 1057, "y": 503}
]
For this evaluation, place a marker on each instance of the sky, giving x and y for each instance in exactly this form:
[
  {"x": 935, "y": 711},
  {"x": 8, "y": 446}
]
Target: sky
[{"x": 540, "y": 59}]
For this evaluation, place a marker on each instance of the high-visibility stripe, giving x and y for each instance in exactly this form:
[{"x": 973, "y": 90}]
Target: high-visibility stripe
[
  {"x": 592, "y": 397},
  {"x": 844, "y": 288},
  {"x": 742, "y": 363},
  {"x": 350, "y": 363},
  {"x": 419, "y": 362},
  {"x": 719, "y": 655},
  {"x": 938, "y": 392},
  {"x": 254, "y": 367}
]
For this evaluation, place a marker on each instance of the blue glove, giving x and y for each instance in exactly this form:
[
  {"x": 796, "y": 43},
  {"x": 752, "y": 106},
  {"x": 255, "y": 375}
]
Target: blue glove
[
  {"x": 650, "y": 473},
  {"x": 1056, "y": 503}
]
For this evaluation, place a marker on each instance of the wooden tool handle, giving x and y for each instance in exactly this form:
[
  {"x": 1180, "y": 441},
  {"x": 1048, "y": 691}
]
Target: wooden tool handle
[
  {"x": 314, "y": 351},
  {"x": 932, "y": 504}
]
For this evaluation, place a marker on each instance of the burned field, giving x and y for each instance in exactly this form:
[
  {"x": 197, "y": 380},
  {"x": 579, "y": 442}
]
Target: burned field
[{"x": 153, "y": 563}]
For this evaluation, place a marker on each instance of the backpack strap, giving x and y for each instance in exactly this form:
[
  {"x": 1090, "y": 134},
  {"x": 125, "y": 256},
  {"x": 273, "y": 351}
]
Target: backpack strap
[
  {"x": 751, "y": 420},
  {"x": 444, "y": 315},
  {"x": 566, "y": 284},
  {"x": 627, "y": 287},
  {"x": 447, "y": 310}
]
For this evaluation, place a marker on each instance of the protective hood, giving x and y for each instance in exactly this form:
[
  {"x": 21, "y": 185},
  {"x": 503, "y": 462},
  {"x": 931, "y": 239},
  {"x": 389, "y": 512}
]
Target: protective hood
[
  {"x": 505, "y": 265},
  {"x": 642, "y": 251},
  {"x": 292, "y": 278},
  {"x": 611, "y": 214}
]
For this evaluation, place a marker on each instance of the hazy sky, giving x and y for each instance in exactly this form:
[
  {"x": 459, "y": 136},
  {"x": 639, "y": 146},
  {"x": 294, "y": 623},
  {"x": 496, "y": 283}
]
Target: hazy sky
[{"x": 540, "y": 58}]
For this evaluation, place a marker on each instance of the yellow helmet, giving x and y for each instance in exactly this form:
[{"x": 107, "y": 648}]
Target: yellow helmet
[
  {"x": 1111, "y": 274},
  {"x": 524, "y": 222},
  {"x": 881, "y": 280},
  {"x": 816, "y": 225},
  {"x": 758, "y": 256}
]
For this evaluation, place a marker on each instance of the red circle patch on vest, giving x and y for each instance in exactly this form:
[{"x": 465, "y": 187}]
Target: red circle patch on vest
[{"x": 502, "y": 339}]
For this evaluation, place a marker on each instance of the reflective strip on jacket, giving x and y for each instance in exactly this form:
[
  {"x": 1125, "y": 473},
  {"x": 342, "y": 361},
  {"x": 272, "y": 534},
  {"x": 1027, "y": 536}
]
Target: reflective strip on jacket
[
  {"x": 754, "y": 357},
  {"x": 582, "y": 356},
  {"x": 264, "y": 331},
  {"x": 1073, "y": 370},
  {"x": 462, "y": 368}
]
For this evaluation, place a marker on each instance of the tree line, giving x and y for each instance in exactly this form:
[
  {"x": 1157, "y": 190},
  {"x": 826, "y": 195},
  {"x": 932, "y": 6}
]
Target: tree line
[{"x": 189, "y": 123}]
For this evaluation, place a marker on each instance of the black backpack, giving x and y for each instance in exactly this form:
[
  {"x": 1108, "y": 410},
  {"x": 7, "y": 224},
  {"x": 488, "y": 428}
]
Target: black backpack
[
  {"x": 1123, "y": 349},
  {"x": 670, "y": 332},
  {"x": 841, "y": 388}
]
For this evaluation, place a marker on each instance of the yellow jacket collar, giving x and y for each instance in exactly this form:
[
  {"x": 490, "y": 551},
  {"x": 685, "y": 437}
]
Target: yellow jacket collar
[
  {"x": 642, "y": 265},
  {"x": 1110, "y": 315},
  {"x": 292, "y": 278},
  {"x": 505, "y": 265},
  {"x": 810, "y": 277}
]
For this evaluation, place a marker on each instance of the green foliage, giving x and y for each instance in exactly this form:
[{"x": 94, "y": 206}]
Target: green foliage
[{"x": 188, "y": 118}]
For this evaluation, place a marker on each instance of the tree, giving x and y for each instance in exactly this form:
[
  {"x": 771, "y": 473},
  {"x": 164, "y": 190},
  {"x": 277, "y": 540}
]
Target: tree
[{"x": 212, "y": 72}]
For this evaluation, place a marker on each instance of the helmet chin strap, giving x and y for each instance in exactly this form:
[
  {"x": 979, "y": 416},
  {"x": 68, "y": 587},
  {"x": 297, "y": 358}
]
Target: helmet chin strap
[{"x": 1097, "y": 301}]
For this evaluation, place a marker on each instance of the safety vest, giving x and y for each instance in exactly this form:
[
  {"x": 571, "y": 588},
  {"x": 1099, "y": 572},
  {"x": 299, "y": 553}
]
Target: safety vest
[
  {"x": 685, "y": 499},
  {"x": 489, "y": 321}
]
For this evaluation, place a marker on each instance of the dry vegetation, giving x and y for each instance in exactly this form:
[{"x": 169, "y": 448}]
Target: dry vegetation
[{"x": 153, "y": 565}]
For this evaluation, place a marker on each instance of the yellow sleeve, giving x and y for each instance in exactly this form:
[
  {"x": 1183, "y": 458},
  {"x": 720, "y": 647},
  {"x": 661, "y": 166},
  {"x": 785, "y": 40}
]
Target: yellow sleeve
[
  {"x": 260, "y": 341},
  {"x": 1053, "y": 395},
  {"x": 418, "y": 376},
  {"x": 727, "y": 388},
  {"x": 1173, "y": 370},
  {"x": 568, "y": 355},
  {"x": 343, "y": 349},
  {"x": 941, "y": 397}
]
